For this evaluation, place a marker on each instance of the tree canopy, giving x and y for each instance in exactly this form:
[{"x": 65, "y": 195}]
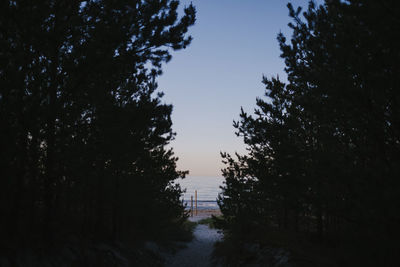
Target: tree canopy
[
  {"x": 324, "y": 147},
  {"x": 83, "y": 129}
]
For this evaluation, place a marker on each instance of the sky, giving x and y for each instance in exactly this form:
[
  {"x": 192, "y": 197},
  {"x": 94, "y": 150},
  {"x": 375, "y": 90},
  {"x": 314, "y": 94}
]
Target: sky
[{"x": 234, "y": 45}]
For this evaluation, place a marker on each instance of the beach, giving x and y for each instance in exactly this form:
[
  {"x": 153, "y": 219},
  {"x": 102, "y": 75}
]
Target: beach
[{"x": 204, "y": 213}]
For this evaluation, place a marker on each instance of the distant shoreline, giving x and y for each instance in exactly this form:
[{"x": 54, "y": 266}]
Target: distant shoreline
[{"x": 202, "y": 205}]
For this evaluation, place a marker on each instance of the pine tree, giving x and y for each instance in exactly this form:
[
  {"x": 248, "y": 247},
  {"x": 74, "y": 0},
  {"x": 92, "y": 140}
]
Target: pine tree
[
  {"x": 323, "y": 147},
  {"x": 83, "y": 129}
]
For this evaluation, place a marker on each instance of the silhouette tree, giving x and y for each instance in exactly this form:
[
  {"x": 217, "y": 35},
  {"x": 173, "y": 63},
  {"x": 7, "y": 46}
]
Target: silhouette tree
[
  {"x": 323, "y": 147},
  {"x": 83, "y": 131}
]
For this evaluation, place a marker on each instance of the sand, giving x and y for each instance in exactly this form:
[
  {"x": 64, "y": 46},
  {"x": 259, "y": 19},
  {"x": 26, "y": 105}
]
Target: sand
[
  {"x": 198, "y": 251},
  {"x": 201, "y": 214}
]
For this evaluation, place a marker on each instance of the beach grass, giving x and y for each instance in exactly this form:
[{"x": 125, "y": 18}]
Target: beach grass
[{"x": 210, "y": 221}]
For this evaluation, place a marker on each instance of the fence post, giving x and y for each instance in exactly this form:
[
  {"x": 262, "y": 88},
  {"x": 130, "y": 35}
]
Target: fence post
[
  {"x": 195, "y": 199},
  {"x": 191, "y": 206}
]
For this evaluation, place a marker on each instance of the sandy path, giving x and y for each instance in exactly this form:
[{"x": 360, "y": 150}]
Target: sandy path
[{"x": 198, "y": 251}]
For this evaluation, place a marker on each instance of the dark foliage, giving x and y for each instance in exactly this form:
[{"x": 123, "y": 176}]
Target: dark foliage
[
  {"x": 83, "y": 133},
  {"x": 324, "y": 149}
]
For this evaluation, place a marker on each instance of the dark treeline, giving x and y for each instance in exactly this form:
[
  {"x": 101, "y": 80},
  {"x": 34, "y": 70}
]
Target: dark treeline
[
  {"x": 83, "y": 133},
  {"x": 324, "y": 147}
]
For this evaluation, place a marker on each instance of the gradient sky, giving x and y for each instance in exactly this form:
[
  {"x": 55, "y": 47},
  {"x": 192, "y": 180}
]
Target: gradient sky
[{"x": 234, "y": 46}]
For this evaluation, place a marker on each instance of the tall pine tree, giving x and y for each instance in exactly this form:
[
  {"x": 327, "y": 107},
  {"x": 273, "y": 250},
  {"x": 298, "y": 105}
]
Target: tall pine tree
[
  {"x": 324, "y": 148},
  {"x": 83, "y": 130}
]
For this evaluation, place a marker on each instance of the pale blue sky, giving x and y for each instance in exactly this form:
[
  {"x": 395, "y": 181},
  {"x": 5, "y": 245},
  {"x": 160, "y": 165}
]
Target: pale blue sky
[{"x": 234, "y": 46}]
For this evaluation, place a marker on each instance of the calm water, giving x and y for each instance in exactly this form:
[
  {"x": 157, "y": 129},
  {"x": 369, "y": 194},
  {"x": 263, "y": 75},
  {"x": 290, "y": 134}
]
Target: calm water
[{"x": 207, "y": 190}]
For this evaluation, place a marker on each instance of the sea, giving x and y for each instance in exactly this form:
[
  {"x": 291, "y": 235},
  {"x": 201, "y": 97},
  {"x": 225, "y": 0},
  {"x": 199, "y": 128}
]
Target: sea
[{"x": 208, "y": 188}]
